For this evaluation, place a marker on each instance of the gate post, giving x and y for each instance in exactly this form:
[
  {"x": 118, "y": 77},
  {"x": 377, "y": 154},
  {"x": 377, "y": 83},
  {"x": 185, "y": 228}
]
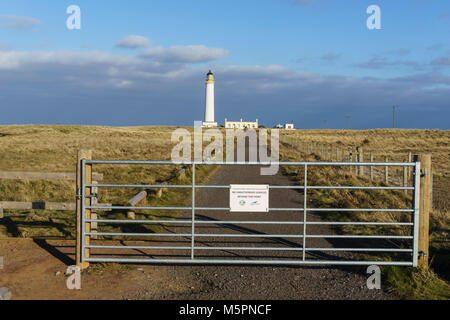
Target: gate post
[
  {"x": 425, "y": 205},
  {"x": 87, "y": 155}
]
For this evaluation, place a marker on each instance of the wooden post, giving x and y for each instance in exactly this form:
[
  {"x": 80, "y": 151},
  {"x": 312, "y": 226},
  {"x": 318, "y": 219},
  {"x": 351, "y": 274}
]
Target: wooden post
[
  {"x": 350, "y": 159},
  {"x": 83, "y": 154},
  {"x": 1, "y": 213},
  {"x": 409, "y": 169},
  {"x": 360, "y": 159},
  {"x": 371, "y": 167},
  {"x": 386, "y": 172},
  {"x": 424, "y": 209}
]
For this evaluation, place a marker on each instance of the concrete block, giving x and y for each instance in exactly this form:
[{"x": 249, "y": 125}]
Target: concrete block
[{"x": 5, "y": 293}]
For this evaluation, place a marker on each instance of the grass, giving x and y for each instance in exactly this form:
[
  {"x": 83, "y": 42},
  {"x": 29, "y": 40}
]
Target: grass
[
  {"x": 404, "y": 282},
  {"x": 415, "y": 284},
  {"x": 53, "y": 148}
]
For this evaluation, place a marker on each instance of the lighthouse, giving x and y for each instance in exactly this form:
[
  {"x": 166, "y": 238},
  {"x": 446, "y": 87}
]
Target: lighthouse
[{"x": 209, "y": 103}]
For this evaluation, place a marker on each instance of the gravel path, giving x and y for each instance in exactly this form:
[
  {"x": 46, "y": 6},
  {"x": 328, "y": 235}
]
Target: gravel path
[
  {"x": 34, "y": 270},
  {"x": 263, "y": 282}
]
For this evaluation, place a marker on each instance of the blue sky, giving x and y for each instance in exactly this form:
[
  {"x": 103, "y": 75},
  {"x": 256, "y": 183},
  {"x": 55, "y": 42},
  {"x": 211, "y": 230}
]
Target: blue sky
[{"x": 143, "y": 62}]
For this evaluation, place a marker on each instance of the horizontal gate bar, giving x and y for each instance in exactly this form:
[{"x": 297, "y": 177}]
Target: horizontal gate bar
[
  {"x": 360, "y": 209},
  {"x": 247, "y": 248},
  {"x": 361, "y": 187},
  {"x": 245, "y": 235},
  {"x": 260, "y": 163},
  {"x": 228, "y": 187},
  {"x": 250, "y": 222},
  {"x": 358, "y": 236},
  {"x": 270, "y": 262},
  {"x": 360, "y": 249},
  {"x": 228, "y": 209},
  {"x": 197, "y": 235}
]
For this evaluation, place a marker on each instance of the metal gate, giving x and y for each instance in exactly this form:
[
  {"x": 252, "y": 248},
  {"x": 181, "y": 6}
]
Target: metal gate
[{"x": 194, "y": 239}]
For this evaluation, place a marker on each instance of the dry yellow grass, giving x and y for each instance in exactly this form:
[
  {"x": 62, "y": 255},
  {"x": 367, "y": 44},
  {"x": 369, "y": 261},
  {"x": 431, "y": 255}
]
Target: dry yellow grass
[
  {"x": 396, "y": 144},
  {"x": 54, "y": 149}
]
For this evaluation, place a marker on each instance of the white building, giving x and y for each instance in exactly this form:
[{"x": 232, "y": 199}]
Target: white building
[
  {"x": 209, "y": 104},
  {"x": 289, "y": 126},
  {"x": 241, "y": 124}
]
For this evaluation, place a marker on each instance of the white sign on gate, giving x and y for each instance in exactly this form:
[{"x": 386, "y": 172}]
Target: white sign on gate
[{"x": 249, "y": 198}]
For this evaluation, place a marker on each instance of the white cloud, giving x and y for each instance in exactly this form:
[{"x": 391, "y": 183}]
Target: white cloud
[
  {"x": 185, "y": 54},
  {"x": 442, "y": 61},
  {"x": 378, "y": 62},
  {"x": 4, "y": 47},
  {"x": 330, "y": 56},
  {"x": 19, "y": 23},
  {"x": 10, "y": 60},
  {"x": 303, "y": 2},
  {"x": 72, "y": 86},
  {"x": 133, "y": 42}
]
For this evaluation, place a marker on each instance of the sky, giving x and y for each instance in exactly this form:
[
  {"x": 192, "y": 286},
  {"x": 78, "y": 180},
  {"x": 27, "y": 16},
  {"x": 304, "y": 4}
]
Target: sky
[{"x": 136, "y": 63}]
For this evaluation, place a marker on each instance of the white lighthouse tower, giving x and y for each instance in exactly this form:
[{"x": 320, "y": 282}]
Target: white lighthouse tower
[{"x": 209, "y": 105}]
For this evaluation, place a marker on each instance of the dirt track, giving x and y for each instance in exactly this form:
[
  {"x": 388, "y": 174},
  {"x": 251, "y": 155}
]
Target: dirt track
[{"x": 31, "y": 268}]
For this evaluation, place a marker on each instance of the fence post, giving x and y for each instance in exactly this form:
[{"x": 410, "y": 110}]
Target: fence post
[
  {"x": 409, "y": 169},
  {"x": 424, "y": 208},
  {"x": 386, "y": 171},
  {"x": 360, "y": 158},
  {"x": 431, "y": 189},
  {"x": 83, "y": 154},
  {"x": 371, "y": 167}
]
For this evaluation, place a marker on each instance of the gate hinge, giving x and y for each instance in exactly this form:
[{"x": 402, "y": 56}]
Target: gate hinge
[
  {"x": 422, "y": 254},
  {"x": 78, "y": 195},
  {"x": 425, "y": 173}
]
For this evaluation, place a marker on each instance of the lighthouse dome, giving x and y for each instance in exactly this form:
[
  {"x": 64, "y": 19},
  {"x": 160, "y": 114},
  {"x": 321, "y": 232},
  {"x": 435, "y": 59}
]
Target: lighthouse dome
[{"x": 210, "y": 76}]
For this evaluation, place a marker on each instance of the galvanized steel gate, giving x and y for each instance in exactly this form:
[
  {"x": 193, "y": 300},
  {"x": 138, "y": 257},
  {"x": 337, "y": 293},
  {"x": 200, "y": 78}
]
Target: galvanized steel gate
[{"x": 194, "y": 248}]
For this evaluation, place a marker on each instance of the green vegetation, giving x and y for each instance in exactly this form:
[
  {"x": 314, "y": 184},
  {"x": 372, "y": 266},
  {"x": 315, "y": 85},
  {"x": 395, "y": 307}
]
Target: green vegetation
[{"x": 415, "y": 284}]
